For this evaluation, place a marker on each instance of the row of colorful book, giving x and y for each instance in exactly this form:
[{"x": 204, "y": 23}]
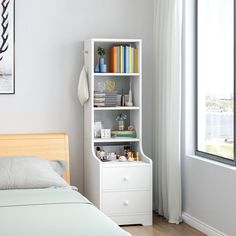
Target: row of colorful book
[{"x": 123, "y": 59}]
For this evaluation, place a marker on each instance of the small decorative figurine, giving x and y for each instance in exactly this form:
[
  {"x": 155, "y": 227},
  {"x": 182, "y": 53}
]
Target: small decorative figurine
[
  {"x": 111, "y": 156},
  {"x": 98, "y": 152},
  {"x": 122, "y": 158},
  {"x": 130, "y": 101},
  {"x": 131, "y": 128},
  {"x": 122, "y": 99},
  {"x": 121, "y": 120},
  {"x": 102, "y": 154},
  {"x": 126, "y": 150}
]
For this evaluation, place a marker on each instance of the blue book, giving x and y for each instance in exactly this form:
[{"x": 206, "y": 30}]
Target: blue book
[
  {"x": 133, "y": 56},
  {"x": 125, "y": 59}
]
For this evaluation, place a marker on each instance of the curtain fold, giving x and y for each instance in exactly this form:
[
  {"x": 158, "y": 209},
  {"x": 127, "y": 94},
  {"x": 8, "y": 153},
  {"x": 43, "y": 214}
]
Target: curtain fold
[{"x": 167, "y": 108}]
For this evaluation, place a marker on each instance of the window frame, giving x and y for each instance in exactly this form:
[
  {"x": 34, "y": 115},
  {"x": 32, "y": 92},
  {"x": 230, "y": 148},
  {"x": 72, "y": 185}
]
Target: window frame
[{"x": 197, "y": 152}]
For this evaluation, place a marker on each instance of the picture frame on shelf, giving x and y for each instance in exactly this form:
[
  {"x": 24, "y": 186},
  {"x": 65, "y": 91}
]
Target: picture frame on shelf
[
  {"x": 97, "y": 129},
  {"x": 7, "y": 50},
  {"x": 105, "y": 133}
]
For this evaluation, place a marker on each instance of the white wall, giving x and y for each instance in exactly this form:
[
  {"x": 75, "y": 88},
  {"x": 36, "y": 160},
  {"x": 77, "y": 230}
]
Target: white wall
[
  {"x": 49, "y": 39},
  {"x": 209, "y": 192}
]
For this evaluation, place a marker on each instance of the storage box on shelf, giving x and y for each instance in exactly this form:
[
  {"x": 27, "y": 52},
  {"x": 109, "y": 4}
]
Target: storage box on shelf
[{"x": 121, "y": 189}]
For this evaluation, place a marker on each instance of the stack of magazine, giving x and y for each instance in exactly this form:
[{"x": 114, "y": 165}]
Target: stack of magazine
[
  {"x": 105, "y": 99},
  {"x": 124, "y": 134}
]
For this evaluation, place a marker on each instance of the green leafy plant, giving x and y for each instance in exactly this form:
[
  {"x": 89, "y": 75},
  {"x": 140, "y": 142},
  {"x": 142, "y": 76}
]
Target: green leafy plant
[
  {"x": 101, "y": 52},
  {"x": 121, "y": 116}
]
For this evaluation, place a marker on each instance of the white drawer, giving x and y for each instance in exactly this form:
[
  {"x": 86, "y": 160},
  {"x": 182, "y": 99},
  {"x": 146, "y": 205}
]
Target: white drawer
[
  {"x": 115, "y": 203},
  {"x": 124, "y": 178}
]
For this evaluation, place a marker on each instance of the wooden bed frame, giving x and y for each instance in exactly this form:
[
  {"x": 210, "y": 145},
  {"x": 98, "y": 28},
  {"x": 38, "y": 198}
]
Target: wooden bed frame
[{"x": 47, "y": 146}]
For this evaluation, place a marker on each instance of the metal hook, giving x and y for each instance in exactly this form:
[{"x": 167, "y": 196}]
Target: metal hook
[{"x": 85, "y": 51}]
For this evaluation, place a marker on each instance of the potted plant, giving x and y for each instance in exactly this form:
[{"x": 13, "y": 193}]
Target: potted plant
[
  {"x": 121, "y": 117},
  {"x": 102, "y": 54}
]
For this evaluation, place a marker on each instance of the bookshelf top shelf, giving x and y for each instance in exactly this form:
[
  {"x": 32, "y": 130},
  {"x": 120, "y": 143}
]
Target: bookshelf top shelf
[
  {"x": 116, "y": 140},
  {"x": 116, "y": 40},
  {"x": 116, "y": 74},
  {"x": 126, "y": 108}
]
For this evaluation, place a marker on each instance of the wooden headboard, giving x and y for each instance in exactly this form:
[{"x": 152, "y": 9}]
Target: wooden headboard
[{"x": 47, "y": 146}]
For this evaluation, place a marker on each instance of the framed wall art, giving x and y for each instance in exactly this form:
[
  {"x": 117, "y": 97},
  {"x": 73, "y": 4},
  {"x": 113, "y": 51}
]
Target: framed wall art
[{"x": 7, "y": 41}]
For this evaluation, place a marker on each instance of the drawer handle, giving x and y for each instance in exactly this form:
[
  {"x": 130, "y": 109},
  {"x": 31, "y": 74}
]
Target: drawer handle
[
  {"x": 126, "y": 203},
  {"x": 126, "y": 178}
]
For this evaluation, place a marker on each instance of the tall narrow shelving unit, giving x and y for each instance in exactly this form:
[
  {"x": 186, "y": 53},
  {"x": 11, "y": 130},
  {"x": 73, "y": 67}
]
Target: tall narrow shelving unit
[{"x": 122, "y": 190}]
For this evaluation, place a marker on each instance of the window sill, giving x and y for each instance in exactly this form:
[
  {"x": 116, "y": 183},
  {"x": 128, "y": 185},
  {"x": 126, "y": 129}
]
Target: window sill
[{"x": 211, "y": 162}]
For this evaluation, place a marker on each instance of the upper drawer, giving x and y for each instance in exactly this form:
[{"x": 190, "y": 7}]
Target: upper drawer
[{"x": 123, "y": 178}]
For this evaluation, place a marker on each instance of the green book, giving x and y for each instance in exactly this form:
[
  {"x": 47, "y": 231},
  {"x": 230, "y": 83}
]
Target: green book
[{"x": 126, "y": 135}]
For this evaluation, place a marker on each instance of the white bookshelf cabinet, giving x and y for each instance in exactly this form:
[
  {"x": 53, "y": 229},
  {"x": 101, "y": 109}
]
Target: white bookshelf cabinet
[{"x": 122, "y": 190}]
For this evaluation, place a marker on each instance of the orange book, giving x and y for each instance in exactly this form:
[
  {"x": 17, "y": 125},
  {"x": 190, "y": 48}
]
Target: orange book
[
  {"x": 136, "y": 60},
  {"x": 113, "y": 58}
]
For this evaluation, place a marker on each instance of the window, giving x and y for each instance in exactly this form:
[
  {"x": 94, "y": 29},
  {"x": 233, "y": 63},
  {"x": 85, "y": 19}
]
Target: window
[{"x": 215, "y": 80}]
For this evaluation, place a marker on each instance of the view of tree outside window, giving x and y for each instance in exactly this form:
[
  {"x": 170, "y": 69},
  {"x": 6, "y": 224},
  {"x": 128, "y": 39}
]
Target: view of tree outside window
[{"x": 215, "y": 78}]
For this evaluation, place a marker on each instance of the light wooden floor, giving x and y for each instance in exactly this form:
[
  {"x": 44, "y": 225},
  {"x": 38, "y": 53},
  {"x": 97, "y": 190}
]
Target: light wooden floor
[{"x": 161, "y": 227}]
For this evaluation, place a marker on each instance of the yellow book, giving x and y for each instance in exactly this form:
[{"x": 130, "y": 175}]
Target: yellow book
[
  {"x": 132, "y": 60},
  {"x": 136, "y": 60}
]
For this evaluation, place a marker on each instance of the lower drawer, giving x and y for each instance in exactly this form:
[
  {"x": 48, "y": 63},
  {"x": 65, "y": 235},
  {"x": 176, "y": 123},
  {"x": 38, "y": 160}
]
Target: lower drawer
[{"x": 115, "y": 203}]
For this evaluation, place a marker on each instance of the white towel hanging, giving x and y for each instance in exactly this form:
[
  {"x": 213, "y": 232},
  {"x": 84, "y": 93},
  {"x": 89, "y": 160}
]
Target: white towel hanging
[{"x": 83, "y": 90}]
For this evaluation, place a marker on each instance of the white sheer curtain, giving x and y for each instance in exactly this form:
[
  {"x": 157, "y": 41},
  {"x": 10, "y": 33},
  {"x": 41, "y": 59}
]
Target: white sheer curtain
[{"x": 167, "y": 108}]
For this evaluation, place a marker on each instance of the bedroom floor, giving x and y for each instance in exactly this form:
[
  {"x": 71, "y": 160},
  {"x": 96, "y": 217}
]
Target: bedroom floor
[{"x": 161, "y": 227}]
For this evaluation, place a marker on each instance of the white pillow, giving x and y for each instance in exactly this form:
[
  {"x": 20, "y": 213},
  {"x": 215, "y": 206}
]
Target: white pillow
[
  {"x": 28, "y": 172},
  {"x": 59, "y": 166}
]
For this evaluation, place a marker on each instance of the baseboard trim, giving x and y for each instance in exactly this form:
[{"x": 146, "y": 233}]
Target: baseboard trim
[{"x": 201, "y": 226}]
